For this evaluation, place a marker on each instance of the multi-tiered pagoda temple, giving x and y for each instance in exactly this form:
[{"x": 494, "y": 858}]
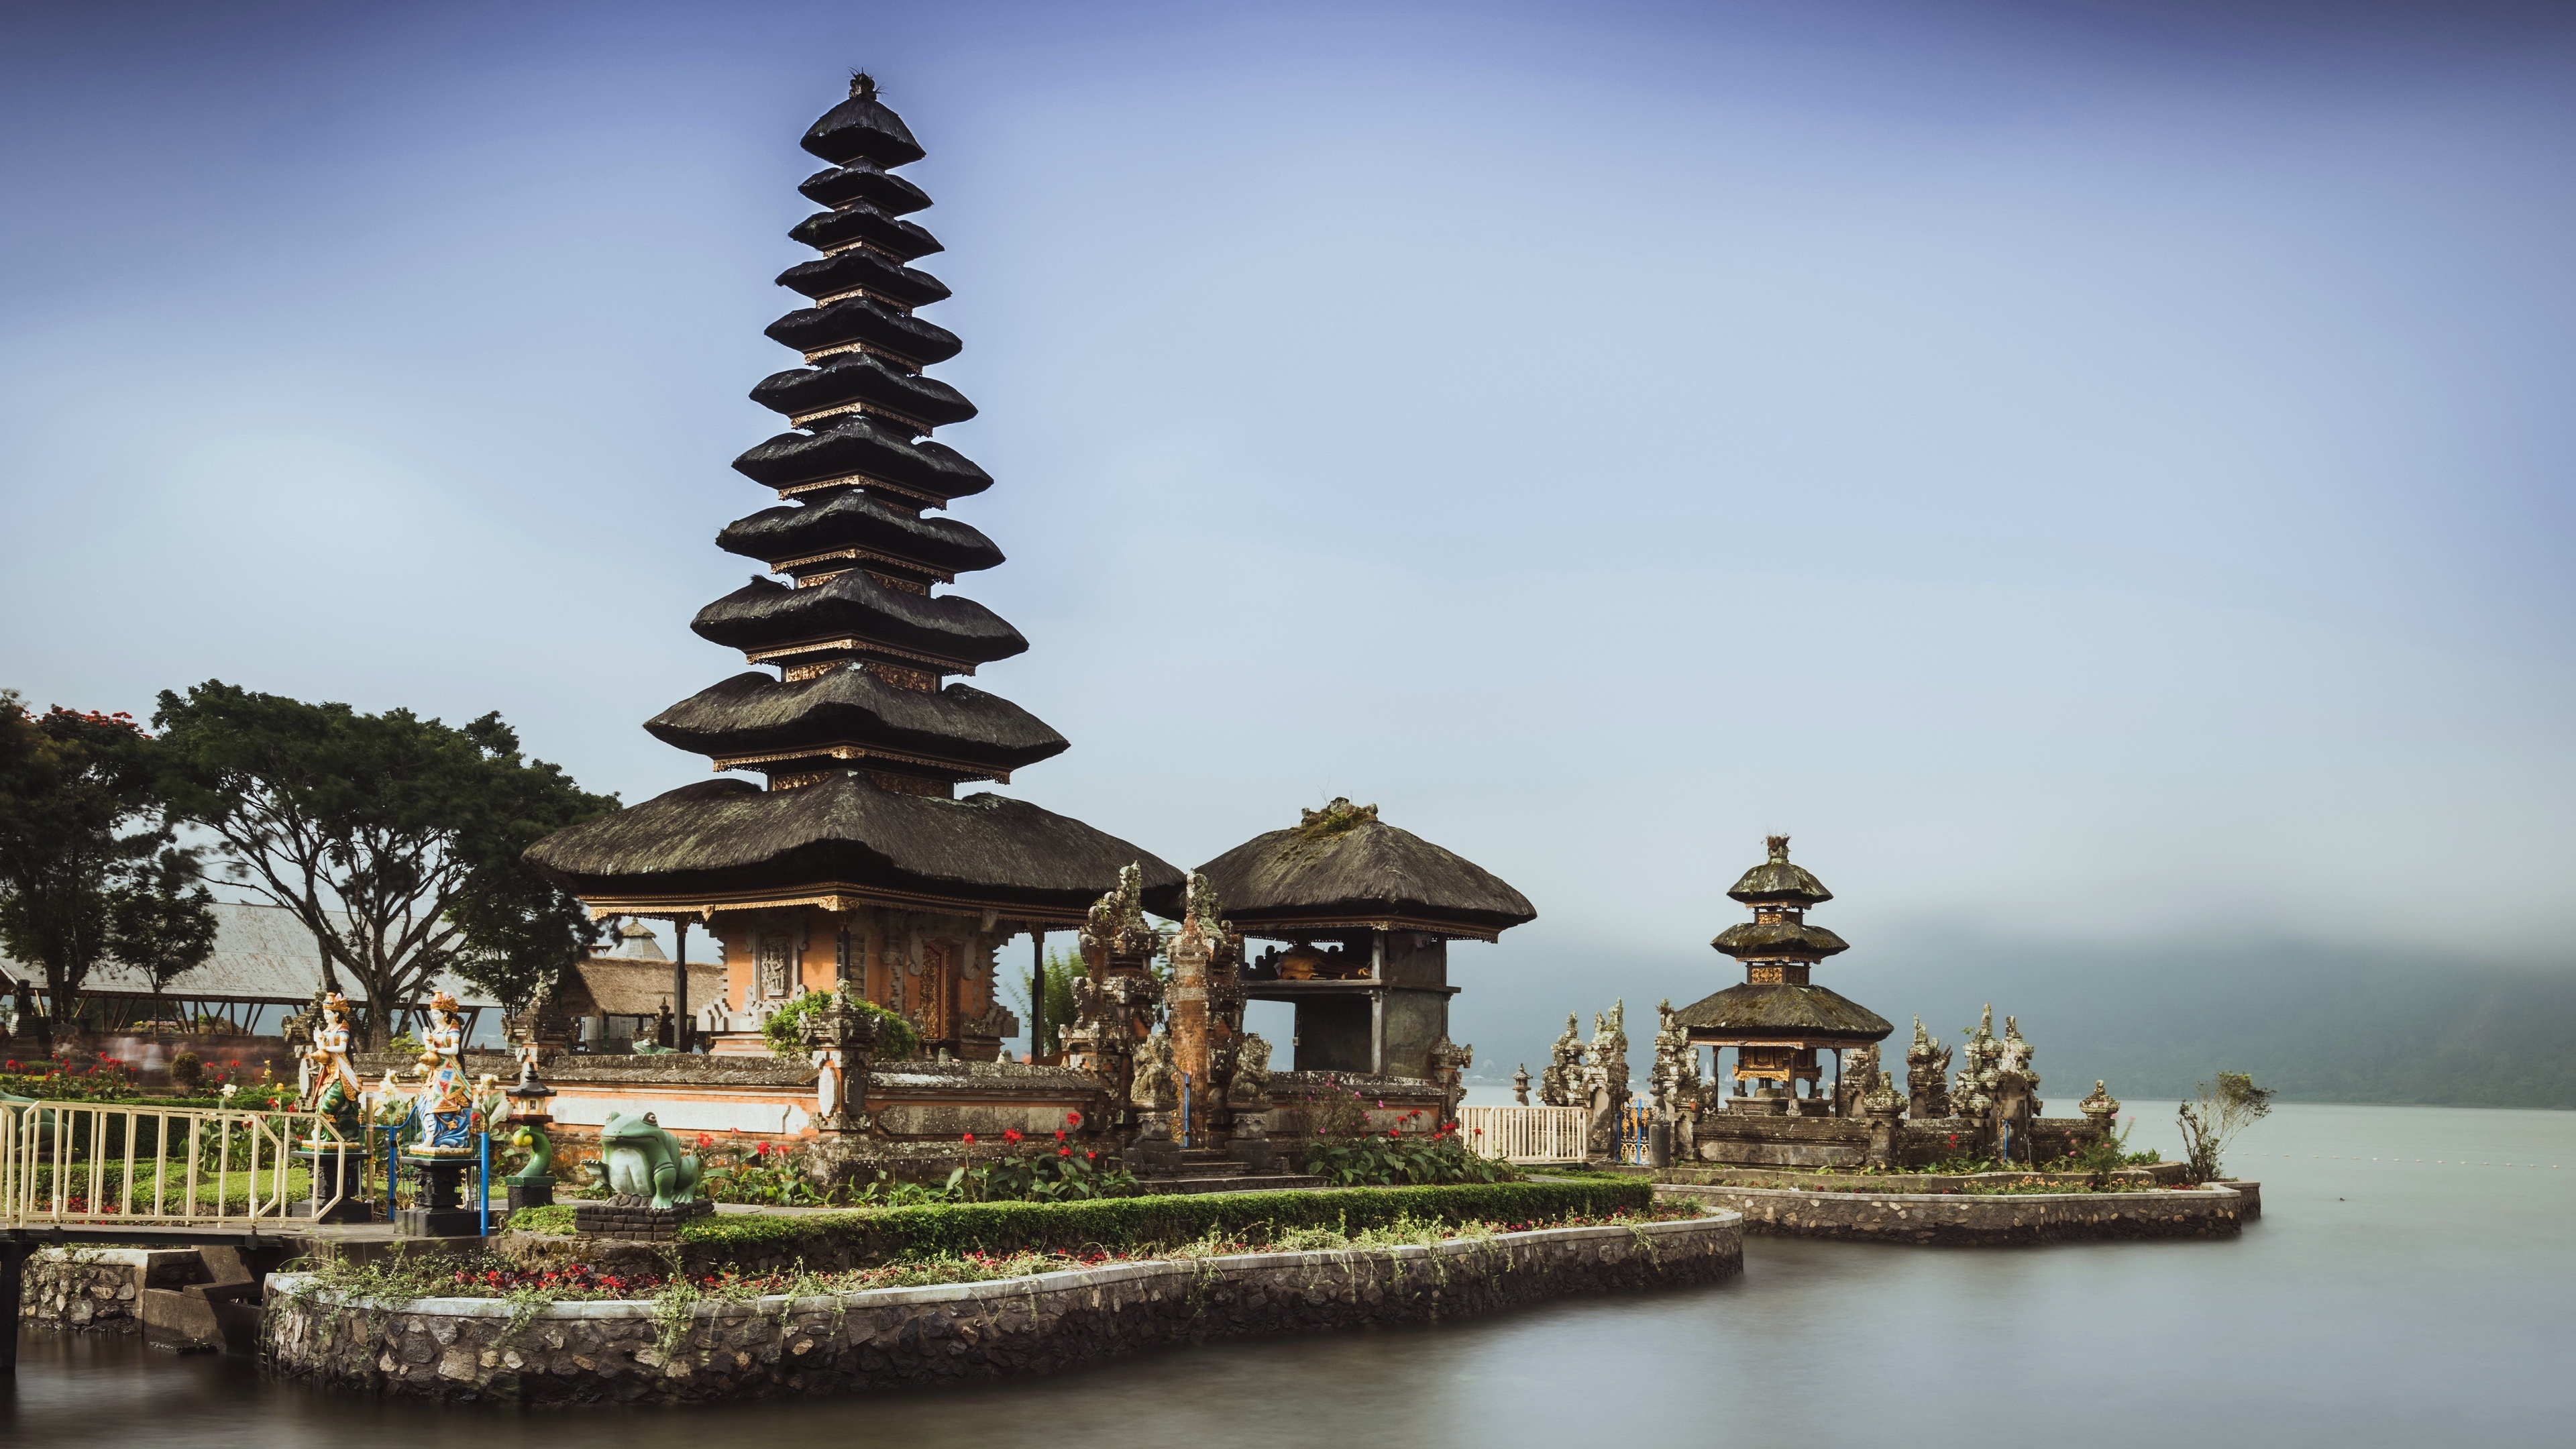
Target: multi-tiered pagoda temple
[
  {"x": 858, "y": 860},
  {"x": 1776, "y": 1019}
]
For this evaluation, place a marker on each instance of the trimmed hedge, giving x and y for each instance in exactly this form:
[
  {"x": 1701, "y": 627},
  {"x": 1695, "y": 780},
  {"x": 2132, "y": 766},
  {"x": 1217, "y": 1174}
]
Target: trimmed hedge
[{"x": 860, "y": 1238}]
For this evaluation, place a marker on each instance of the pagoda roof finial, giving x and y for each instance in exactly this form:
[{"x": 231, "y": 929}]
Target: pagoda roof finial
[
  {"x": 863, "y": 86},
  {"x": 1776, "y": 881}
]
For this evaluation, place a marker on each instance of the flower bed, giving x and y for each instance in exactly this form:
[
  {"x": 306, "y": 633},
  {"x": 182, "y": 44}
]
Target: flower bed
[
  {"x": 689, "y": 1345},
  {"x": 862, "y": 1238},
  {"x": 480, "y": 1275}
]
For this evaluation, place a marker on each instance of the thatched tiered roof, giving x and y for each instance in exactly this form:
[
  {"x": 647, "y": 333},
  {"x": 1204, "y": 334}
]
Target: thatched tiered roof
[
  {"x": 728, "y": 841},
  {"x": 1786, "y": 1012},
  {"x": 1342, "y": 868}
]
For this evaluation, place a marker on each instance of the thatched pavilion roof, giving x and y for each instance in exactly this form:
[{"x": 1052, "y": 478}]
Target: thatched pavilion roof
[
  {"x": 1344, "y": 868},
  {"x": 1782, "y": 1011},
  {"x": 1777, "y": 881}
]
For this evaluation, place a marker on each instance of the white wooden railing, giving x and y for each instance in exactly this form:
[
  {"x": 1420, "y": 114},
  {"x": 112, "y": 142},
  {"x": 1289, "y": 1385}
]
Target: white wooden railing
[
  {"x": 1525, "y": 1134},
  {"x": 93, "y": 1162}
]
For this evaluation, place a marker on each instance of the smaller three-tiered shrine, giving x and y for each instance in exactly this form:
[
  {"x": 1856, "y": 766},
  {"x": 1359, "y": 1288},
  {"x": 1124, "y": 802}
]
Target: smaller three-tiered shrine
[{"x": 1778, "y": 1018}]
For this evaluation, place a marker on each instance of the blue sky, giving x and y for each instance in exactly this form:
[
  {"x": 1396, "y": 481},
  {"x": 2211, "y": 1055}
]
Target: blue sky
[{"x": 2096, "y": 475}]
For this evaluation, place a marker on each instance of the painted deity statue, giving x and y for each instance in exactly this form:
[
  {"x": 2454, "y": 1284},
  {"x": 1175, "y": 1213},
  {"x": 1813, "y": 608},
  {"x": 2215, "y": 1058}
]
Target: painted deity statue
[
  {"x": 444, "y": 1106},
  {"x": 331, "y": 1085}
]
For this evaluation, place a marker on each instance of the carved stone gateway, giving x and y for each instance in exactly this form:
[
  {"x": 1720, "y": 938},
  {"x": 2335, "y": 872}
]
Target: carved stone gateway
[
  {"x": 1605, "y": 1079},
  {"x": 1116, "y": 1000}
]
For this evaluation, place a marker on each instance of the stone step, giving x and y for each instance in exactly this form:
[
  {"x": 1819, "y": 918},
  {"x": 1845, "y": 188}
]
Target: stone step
[{"x": 1230, "y": 1184}]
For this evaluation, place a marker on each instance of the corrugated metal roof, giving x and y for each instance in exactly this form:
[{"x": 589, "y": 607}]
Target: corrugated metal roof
[{"x": 262, "y": 953}]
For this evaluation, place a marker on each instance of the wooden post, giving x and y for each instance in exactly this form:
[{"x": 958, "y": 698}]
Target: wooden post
[
  {"x": 1037, "y": 992},
  {"x": 681, "y": 1033},
  {"x": 13, "y": 1263}
]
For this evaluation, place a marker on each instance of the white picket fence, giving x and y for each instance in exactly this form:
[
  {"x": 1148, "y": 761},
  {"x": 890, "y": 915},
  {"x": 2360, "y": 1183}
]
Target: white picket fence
[
  {"x": 1524, "y": 1134},
  {"x": 95, "y": 1162}
]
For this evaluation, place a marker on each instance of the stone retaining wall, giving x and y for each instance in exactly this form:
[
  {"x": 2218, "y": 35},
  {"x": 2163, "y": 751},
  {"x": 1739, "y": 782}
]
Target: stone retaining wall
[
  {"x": 1974, "y": 1220},
  {"x": 1826, "y": 1180},
  {"x": 617, "y": 1352},
  {"x": 98, "y": 1290}
]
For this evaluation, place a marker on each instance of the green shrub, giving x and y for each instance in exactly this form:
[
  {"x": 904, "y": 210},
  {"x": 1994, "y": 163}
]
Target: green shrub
[
  {"x": 554, "y": 1218},
  {"x": 864, "y": 1238},
  {"x": 895, "y": 1037}
]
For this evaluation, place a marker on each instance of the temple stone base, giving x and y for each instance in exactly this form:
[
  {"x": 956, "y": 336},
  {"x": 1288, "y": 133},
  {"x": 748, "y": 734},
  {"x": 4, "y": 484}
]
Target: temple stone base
[
  {"x": 636, "y": 1224},
  {"x": 602, "y": 1353},
  {"x": 1964, "y": 1220}
]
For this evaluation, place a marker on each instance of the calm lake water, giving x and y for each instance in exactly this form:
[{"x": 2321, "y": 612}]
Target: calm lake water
[{"x": 2412, "y": 1282}]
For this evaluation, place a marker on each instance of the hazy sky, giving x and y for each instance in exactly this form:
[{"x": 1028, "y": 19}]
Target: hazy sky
[{"x": 2092, "y": 473}]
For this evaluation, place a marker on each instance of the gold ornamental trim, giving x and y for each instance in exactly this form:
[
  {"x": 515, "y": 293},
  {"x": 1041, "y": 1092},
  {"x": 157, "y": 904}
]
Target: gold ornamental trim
[
  {"x": 909, "y": 364},
  {"x": 863, "y": 480},
  {"x": 855, "y": 644},
  {"x": 861, "y": 245},
  {"x": 825, "y": 301},
  {"x": 1289, "y": 928},
  {"x": 807, "y": 420},
  {"x": 856, "y": 553},
  {"x": 832, "y": 896},
  {"x": 863, "y": 752}
]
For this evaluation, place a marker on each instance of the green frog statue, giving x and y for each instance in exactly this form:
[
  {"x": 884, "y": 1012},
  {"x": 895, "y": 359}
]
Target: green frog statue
[{"x": 645, "y": 1161}]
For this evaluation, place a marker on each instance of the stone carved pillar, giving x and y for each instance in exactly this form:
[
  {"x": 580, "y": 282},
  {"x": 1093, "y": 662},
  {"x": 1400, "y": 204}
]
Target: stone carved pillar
[
  {"x": 842, "y": 1041},
  {"x": 1186, "y": 1007},
  {"x": 1605, "y": 1079},
  {"x": 1882, "y": 1109},
  {"x": 2100, "y": 1109},
  {"x": 1449, "y": 1063},
  {"x": 1927, "y": 1076}
]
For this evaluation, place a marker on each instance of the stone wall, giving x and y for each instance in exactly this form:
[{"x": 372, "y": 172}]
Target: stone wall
[
  {"x": 1828, "y": 1180},
  {"x": 618, "y": 1352},
  {"x": 1761, "y": 1139},
  {"x": 98, "y": 1290},
  {"x": 1974, "y": 1220}
]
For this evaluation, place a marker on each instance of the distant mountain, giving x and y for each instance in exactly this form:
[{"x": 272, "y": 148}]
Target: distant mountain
[{"x": 2319, "y": 1024}]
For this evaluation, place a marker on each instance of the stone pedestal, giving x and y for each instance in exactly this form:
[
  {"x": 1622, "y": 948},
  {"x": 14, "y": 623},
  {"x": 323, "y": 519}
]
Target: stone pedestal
[
  {"x": 1154, "y": 1153},
  {"x": 638, "y": 1221},
  {"x": 1253, "y": 1146},
  {"x": 530, "y": 1192},
  {"x": 331, "y": 1179},
  {"x": 441, "y": 1210}
]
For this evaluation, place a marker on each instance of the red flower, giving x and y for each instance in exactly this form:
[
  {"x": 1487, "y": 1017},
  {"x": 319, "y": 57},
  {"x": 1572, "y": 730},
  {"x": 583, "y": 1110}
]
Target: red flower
[
  {"x": 1064, "y": 1152},
  {"x": 761, "y": 1149},
  {"x": 970, "y": 1137},
  {"x": 1010, "y": 1134},
  {"x": 1094, "y": 1156},
  {"x": 1059, "y": 1134},
  {"x": 1073, "y": 1119},
  {"x": 705, "y": 1142}
]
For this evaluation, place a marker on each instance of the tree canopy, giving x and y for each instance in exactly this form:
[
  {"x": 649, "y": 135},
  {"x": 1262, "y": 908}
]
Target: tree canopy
[
  {"x": 90, "y": 867},
  {"x": 394, "y": 839}
]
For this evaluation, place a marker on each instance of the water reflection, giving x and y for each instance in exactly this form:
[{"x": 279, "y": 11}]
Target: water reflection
[{"x": 2379, "y": 1303}]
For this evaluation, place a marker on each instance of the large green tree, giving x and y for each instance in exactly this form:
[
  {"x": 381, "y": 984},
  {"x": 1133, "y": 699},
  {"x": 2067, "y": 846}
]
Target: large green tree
[
  {"x": 90, "y": 867},
  {"x": 394, "y": 839}
]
